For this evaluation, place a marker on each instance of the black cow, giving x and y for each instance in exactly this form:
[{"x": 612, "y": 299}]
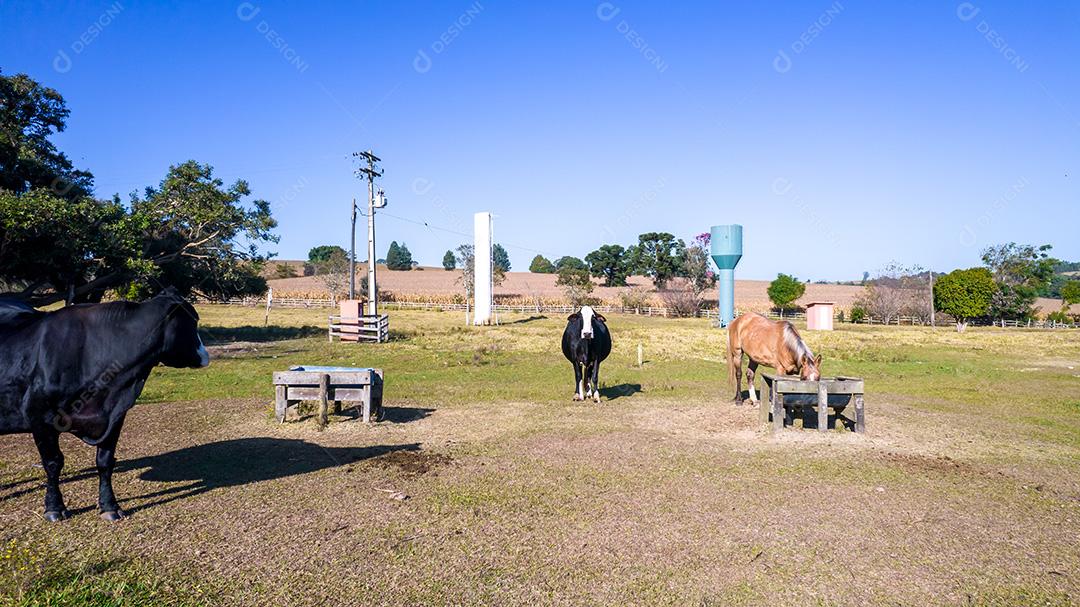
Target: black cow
[
  {"x": 79, "y": 369},
  {"x": 586, "y": 343}
]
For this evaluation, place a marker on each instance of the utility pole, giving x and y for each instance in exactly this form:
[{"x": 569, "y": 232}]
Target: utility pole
[
  {"x": 371, "y": 172},
  {"x": 352, "y": 254}
]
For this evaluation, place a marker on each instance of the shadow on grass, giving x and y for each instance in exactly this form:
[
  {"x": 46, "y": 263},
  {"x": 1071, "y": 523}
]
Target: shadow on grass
[
  {"x": 229, "y": 463},
  {"x": 223, "y": 335},
  {"x": 522, "y": 321},
  {"x": 396, "y": 415},
  {"x": 238, "y": 462},
  {"x": 613, "y": 392}
]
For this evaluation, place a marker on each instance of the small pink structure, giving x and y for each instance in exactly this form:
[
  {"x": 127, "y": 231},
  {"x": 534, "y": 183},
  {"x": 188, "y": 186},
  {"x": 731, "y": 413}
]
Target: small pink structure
[
  {"x": 351, "y": 311},
  {"x": 819, "y": 316}
]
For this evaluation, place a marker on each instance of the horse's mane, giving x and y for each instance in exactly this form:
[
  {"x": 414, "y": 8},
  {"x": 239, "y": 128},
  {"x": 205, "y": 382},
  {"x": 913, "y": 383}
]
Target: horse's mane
[{"x": 794, "y": 343}]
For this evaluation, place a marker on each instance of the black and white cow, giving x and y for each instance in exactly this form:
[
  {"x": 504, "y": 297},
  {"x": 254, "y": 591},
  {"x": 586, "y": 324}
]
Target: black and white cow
[
  {"x": 586, "y": 342},
  {"x": 79, "y": 369}
]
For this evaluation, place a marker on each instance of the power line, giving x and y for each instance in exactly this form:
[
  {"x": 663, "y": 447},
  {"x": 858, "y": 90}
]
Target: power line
[{"x": 448, "y": 230}]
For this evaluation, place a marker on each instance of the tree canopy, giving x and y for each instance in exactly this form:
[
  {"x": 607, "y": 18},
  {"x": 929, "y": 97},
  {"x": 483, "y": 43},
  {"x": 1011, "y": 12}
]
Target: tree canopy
[
  {"x": 500, "y": 258},
  {"x": 659, "y": 256},
  {"x": 58, "y": 243},
  {"x": 567, "y": 261},
  {"x": 964, "y": 294},
  {"x": 449, "y": 262},
  {"x": 323, "y": 252},
  {"x": 609, "y": 262},
  {"x": 1021, "y": 272},
  {"x": 1070, "y": 292},
  {"x": 29, "y": 115},
  {"x": 190, "y": 232},
  {"x": 399, "y": 257},
  {"x": 541, "y": 265},
  {"x": 785, "y": 290}
]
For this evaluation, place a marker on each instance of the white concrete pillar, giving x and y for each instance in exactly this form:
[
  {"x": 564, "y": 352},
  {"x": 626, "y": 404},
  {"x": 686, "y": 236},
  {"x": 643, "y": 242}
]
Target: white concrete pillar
[{"x": 482, "y": 288}]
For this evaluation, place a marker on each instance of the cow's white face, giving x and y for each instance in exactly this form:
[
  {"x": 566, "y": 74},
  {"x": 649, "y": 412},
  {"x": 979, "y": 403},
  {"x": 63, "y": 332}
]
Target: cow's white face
[{"x": 586, "y": 322}]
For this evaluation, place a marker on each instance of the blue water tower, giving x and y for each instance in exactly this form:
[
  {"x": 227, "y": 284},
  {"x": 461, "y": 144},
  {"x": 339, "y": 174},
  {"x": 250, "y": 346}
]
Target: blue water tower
[{"x": 726, "y": 244}]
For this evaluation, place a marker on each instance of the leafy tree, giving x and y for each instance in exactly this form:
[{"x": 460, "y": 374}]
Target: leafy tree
[
  {"x": 449, "y": 262},
  {"x": 189, "y": 232},
  {"x": 964, "y": 294},
  {"x": 398, "y": 257},
  {"x": 659, "y": 256},
  {"x": 785, "y": 290},
  {"x": 576, "y": 284},
  {"x": 284, "y": 270},
  {"x": 322, "y": 253},
  {"x": 466, "y": 259},
  {"x": 567, "y": 261},
  {"x": 334, "y": 272},
  {"x": 541, "y": 265},
  {"x": 29, "y": 115},
  {"x": 1021, "y": 272},
  {"x": 500, "y": 258},
  {"x": 406, "y": 259},
  {"x": 696, "y": 264},
  {"x": 1070, "y": 292},
  {"x": 609, "y": 262}
]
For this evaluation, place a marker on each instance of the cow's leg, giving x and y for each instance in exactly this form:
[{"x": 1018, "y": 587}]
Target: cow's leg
[
  {"x": 579, "y": 383},
  {"x": 596, "y": 381},
  {"x": 751, "y": 368},
  {"x": 106, "y": 461},
  {"x": 47, "y": 440}
]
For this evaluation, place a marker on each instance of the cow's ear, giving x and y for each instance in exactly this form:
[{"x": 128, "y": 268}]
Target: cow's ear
[
  {"x": 169, "y": 291},
  {"x": 599, "y": 316},
  {"x": 574, "y": 316}
]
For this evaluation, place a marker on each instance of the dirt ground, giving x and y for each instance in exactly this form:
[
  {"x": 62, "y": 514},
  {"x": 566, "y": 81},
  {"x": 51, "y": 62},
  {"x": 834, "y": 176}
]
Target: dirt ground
[{"x": 663, "y": 494}]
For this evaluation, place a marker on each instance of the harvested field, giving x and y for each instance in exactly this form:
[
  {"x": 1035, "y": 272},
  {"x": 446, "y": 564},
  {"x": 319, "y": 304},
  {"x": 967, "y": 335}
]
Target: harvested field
[
  {"x": 436, "y": 284},
  {"x": 488, "y": 486}
]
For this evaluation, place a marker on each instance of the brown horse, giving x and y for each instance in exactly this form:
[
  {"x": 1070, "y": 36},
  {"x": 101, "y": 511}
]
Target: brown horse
[{"x": 773, "y": 343}]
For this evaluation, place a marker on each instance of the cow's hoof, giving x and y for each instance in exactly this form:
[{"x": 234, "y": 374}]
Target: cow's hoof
[
  {"x": 577, "y": 397},
  {"x": 57, "y": 515},
  {"x": 113, "y": 515},
  {"x": 596, "y": 397}
]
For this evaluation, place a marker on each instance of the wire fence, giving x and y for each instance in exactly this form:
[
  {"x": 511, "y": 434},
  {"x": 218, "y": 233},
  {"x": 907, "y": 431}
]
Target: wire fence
[{"x": 941, "y": 320}]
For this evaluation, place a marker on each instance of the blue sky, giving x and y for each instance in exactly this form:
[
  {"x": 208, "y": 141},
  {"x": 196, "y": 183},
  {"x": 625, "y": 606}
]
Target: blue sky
[{"x": 842, "y": 135}]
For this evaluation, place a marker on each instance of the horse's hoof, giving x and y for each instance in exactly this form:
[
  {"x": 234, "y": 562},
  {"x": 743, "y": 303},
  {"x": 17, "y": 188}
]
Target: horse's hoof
[
  {"x": 54, "y": 516},
  {"x": 113, "y": 515}
]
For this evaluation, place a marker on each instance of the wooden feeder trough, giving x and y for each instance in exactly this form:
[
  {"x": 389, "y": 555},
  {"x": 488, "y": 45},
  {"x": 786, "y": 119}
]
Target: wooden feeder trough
[
  {"x": 329, "y": 385},
  {"x": 790, "y": 393}
]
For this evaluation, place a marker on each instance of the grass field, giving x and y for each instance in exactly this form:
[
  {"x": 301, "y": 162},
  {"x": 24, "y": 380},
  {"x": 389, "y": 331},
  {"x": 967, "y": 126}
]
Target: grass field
[{"x": 964, "y": 491}]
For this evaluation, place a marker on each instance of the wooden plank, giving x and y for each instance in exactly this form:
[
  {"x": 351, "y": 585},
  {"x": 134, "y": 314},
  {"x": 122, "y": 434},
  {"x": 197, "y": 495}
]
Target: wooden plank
[
  {"x": 365, "y": 404},
  {"x": 324, "y": 394},
  {"x": 281, "y": 403},
  {"x": 823, "y": 406},
  {"x": 777, "y": 408},
  {"x": 350, "y": 394},
  {"x": 312, "y": 378},
  {"x": 764, "y": 405},
  {"x": 797, "y": 386},
  {"x": 860, "y": 414}
]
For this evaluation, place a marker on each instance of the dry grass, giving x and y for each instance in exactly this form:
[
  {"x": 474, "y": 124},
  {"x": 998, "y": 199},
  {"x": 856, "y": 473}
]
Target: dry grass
[{"x": 964, "y": 491}]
